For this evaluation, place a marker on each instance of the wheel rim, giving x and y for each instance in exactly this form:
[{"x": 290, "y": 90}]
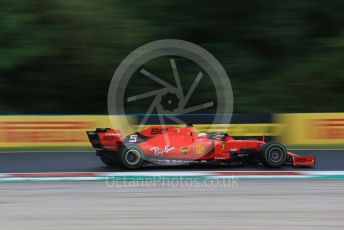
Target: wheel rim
[
  {"x": 276, "y": 155},
  {"x": 132, "y": 157}
]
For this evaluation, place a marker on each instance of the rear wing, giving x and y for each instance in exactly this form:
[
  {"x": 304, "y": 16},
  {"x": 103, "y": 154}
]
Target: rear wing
[{"x": 106, "y": 139}]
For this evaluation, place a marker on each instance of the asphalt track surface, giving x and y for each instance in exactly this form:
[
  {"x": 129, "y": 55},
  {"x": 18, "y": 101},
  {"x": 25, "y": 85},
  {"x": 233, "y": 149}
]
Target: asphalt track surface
[
  {"x": 296, "y": 204},
  {"x": 26, "y": 162}
]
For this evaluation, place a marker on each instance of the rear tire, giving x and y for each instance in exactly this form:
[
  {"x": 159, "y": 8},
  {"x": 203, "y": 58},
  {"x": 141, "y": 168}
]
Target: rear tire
[
  {"x": 273, "y": 155},
  {"x": 131, "y": 156}
]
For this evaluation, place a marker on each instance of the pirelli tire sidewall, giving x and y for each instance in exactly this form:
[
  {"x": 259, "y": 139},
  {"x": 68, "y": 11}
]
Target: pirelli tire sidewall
[
  {"x": 131, "y": 156},
  {"x": 273, "y": 155}
]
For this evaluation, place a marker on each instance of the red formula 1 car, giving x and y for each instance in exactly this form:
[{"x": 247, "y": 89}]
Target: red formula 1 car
[{"x": 172, "y": 145}]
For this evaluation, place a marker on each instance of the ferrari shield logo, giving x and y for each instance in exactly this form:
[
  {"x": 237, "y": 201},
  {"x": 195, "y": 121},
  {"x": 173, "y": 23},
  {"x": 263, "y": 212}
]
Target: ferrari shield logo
[{"x": 200, "y": 149}]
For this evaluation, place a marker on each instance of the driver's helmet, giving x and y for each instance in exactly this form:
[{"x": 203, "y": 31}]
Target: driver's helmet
[{"x": 202, "y": 134}]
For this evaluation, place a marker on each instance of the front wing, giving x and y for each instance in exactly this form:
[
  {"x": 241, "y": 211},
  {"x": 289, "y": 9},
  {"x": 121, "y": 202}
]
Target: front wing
[{"x": 298, "y": 160}]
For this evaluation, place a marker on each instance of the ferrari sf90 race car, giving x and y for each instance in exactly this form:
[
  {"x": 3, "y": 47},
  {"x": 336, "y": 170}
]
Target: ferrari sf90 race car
[{"x": 183, "y": 145}]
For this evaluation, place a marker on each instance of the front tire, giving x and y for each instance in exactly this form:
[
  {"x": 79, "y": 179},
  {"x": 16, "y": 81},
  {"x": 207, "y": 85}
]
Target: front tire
[{"x": 273, "y": 155}]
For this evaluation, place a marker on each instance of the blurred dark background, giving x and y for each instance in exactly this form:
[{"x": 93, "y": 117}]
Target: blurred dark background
[{"x": 58, "y": 56}]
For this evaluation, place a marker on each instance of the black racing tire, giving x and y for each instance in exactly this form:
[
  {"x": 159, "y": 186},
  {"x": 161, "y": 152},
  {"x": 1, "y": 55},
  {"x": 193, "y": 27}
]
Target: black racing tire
[
  {"x": 131, "y": 156},
  {"x": 273, "y": 155},
  {"x": 109, "y": 159}
]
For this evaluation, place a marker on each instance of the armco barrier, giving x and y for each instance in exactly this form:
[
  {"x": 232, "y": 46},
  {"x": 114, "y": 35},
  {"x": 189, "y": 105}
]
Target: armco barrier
[
  {"x": 69, "y": 131},
  {"x": 312, "y": 128},
  {"x": 49, "y": 131}
]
